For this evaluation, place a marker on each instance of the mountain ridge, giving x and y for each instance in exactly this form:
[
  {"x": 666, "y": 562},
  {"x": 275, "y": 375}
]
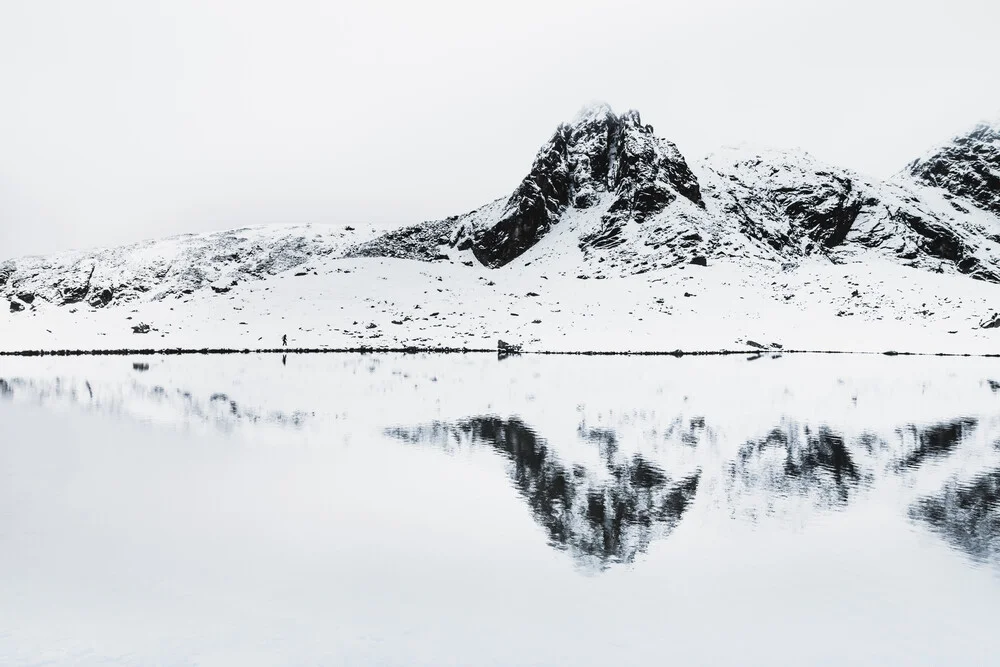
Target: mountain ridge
[{"x": 605, "y": 198}]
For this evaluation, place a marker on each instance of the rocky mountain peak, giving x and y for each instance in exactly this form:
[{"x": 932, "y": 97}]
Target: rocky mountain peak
[
  {"x": 968, "y": 166},
  {"x": 597, "y": 155}
]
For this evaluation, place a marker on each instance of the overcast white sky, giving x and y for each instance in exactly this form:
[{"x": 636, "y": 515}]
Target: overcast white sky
[{"x": 128, "y": 119}]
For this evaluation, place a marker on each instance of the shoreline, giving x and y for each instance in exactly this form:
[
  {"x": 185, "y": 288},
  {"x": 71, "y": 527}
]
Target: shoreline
[{"x": 751, "y": 352}]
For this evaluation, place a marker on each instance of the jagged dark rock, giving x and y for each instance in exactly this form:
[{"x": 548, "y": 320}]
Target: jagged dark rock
[
  {"x": 967, "y": 167},
  {"x": 16, "y": 306},
  {"x": 535, "y": 205},
  {"x": 141, "y": 328},
  {"x": 597, "y": 153}
]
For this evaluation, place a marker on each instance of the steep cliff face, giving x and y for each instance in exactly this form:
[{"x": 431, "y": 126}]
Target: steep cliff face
[
  {"x": 967, "y": 167},
  {"x": 598, "y": 156}
]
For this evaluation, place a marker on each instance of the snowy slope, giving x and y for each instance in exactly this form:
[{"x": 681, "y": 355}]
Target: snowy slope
[{"x": 612, "y": 242}]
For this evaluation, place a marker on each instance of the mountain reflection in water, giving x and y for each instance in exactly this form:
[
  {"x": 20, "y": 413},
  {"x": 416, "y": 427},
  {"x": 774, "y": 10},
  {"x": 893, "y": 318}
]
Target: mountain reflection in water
[
  {"x": 609, "y": 512},
  {"x": 600, "y": 516},
  {"x": 966, "y": 514}
]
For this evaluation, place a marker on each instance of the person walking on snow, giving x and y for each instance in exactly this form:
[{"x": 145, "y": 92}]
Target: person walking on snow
[{"x": 284, "y": 340}]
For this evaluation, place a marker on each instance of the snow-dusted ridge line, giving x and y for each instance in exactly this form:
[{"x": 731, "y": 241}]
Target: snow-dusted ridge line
[{"x": 613, "y": 242}]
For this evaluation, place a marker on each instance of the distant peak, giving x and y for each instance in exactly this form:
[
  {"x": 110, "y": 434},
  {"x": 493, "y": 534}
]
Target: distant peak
[{"x": 593, "y": 111}]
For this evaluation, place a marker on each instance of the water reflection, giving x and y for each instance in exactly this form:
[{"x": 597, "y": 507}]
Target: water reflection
[
  {"x": 966, "y": 514},
  {"x": 604, "y": 475},
  {"x": 934, "y": 442},
  {"x": 176, "y": 406},
  {"x": 609, "y": 509},
  {"x": 601, "y": 516},
  {"x": 793, "y": 461}
]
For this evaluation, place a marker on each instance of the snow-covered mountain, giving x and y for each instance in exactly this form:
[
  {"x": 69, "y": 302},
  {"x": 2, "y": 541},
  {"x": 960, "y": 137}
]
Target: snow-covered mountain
[{"x": 605, "y": 198}]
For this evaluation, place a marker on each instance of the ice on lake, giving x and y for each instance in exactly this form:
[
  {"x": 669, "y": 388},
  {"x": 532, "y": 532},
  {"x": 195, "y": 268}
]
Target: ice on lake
[{"x": 465, "y": 510}]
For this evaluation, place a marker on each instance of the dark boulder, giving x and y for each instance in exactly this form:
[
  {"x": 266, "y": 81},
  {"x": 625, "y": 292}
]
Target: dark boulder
[
  {"x": 507, "y": 348},
  {"x": 101, "y": 298},
  {"x": 141, "y": 328},
  {"x": 27, "y": 297},
  {"x": 699, "y": 261},
  {"x": 16, "y": 306},
  {"x": 992, "y": 322}
]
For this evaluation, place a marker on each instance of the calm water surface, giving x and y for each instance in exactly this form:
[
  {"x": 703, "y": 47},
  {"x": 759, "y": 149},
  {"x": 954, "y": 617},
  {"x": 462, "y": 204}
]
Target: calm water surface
[{"x": 464, "y": 510}]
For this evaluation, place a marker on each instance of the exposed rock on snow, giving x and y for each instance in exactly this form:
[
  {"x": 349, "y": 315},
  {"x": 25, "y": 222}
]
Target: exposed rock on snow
[
  {"x": 779, "y": 235},
  {"x": 426, "y": 242},
  {"x": 171, "y": 267},
  {"x": 597, "y": 154},
  {"x": 795, "y": 206},
  {"x": 967, "y": 167},
  {"x": 507, "y": 348},
  {"x": 991, "y": 322}
]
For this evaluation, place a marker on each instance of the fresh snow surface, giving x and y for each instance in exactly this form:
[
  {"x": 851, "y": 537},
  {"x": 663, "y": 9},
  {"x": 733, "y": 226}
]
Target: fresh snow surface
[{"x": 381, "y": 302}]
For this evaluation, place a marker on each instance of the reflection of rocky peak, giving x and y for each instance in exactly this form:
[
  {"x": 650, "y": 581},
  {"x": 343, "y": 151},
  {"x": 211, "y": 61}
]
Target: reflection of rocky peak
[
  {"x": 966, "y": 514},
  {"x": 139, "y": 399},
  {"x": 792, "y": 462},
  {"x": 968, "y": 167},
  {"x": 934, "y": 441},
  {"x": 598, "y": 153},
  {"x": 825, "y": 468},
  {"x": 601, "y": 516}
]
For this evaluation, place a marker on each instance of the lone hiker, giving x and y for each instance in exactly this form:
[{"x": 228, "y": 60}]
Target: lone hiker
[{"x": 284, "y": 340}]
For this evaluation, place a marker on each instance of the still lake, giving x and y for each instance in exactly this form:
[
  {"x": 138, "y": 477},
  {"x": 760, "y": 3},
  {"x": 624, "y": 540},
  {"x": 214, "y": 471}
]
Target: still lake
[{"x": 463, "y": 510}]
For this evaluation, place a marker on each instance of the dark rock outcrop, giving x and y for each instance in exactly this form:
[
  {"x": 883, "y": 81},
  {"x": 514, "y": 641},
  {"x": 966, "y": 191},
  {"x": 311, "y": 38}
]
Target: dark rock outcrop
[
  {"x": 16, "y": 306},
  {"x": 75, "y": 284},
  {"x": 788, "y": 201},
  {"x": 967, "y": 167},
  {"x": 534, "y": 207},
  {"x": 597, "y": 153},
  {"x": 824, "y": 212}
]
